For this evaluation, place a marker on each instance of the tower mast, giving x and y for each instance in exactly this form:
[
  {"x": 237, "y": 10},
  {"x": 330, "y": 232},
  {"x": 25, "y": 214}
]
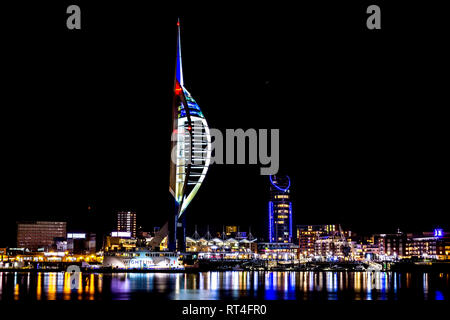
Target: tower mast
[{"x": 190, "y": 153}]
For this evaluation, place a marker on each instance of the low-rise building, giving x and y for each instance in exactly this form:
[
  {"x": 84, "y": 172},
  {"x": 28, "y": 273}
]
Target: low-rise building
[
  {"x": 429, "y": 245},
  {"x": 391, "y": 246},
  {"x": 278, "y": 250},
  {"x": 332, "y": 248},
  {"x": 307, "y": 236},
  {"x": 120, "y": 241},
  {"x": 220, "y": 245},
  {"x": 81, "y": 242}
]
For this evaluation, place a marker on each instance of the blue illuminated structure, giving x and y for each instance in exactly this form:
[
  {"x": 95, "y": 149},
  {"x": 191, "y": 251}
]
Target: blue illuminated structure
[
  {"x": 290, "y": 221},
  {"x": 280, "y": 210},
  {"x": 271, "y": 235},
  {"x": 278, "y": 187},
  {"x": 438, "y": 233}
]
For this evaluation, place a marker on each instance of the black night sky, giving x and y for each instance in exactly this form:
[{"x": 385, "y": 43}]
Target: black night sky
[{"x": 361, "y": 114}]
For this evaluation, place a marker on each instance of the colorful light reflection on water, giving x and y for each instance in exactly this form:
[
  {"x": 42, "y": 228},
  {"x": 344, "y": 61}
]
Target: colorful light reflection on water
[{"x": 227, "y": 285}]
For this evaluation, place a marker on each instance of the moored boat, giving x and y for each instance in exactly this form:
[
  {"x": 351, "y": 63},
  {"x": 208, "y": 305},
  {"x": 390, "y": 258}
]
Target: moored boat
[{"x": 142, "y": 260}]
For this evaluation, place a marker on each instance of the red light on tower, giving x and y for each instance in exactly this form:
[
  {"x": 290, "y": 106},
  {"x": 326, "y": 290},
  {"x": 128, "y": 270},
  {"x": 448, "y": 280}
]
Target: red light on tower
[
  {"x": 177, "y": 88},
  {"x": 189, "y": 128}
]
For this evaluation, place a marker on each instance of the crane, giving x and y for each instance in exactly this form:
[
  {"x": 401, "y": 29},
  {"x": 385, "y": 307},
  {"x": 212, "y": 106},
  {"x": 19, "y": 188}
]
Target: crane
[{"x": 347, "y": 249}]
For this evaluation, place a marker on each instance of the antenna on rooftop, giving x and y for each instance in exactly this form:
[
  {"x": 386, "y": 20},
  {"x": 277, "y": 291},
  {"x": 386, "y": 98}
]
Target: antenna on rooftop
[
  {"x": 208, "y": 234},
  {"x": 196, "y": 236}
]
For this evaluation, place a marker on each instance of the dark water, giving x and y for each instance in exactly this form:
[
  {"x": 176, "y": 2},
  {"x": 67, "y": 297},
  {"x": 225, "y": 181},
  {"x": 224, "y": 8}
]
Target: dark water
[{"x": 228, "y": 285}]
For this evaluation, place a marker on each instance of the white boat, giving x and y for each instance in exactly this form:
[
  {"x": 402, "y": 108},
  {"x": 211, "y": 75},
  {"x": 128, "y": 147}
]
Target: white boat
[
  {"x": 142, "y": 260},
  {"x": 373, "y": 266}
]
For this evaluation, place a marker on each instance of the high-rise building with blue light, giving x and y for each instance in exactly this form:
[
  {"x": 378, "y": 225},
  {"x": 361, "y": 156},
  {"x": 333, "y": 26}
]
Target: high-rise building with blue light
[{"x": 280, "y": 210}]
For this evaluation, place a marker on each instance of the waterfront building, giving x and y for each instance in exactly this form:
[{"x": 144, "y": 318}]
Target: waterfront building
[
  {"x": 126, "y": 222},
  {"x": 81, "y": 243},
  {"x": 445, "y": 251},
  {"x": 307, "y": 236},
  {"x": 422, "y": 247},
  {"x": 332, "y": 248},
  {"x": 39, "y": 234},
  {"x": 391, "y": 246},
  {"x": 220, "y": 245},
  {"x": 46, "y": 259},
  {"x": 370, "y": 251},
  {"x": 325, "y": 240},
  {"x": 3, "y": 254},
  {"x": 120, "y": 241},
  {"x": 280, "y": 210},
  {"x": 277, "y": 251},
  {"x": 430, "y": 245},
  {"x": 61, "y": 244}
]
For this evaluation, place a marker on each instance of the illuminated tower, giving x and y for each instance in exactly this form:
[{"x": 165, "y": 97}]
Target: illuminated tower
[
  {"x": 280, "y": 210},
  {"x": 191, "y": 154},
  {"x": 126, "y": 222}
]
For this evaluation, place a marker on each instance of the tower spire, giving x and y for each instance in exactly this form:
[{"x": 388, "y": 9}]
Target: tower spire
[
  {"x": 179, "y": 66},
  {"x": 185, "y": 178}
]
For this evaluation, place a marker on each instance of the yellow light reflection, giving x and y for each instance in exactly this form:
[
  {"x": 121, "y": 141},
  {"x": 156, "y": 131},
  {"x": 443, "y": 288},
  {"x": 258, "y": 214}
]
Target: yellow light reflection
[
  {"x": 357, "y": 283},
  {"x": 408, "y": 280},
  {"x": 241, "y": 281},
  {"x": 51, "y": 291},
  {"x": 91, "y": 287},
  {"x": 80, "y": 287},
  {"x": 16, "y": 292},
  {"x": 66, "y": 287},
  {"x": 100, "y": 283},
  {"x": 39, "y": 287}
]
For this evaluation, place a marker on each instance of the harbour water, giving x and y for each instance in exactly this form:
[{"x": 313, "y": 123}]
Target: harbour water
[{"x": 228, "y": 285}]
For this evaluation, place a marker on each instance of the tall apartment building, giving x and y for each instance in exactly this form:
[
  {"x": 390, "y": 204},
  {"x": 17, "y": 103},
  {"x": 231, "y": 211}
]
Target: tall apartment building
[
  {"x": 126, "y": 222},
  {"x": 280, "y": 210}
]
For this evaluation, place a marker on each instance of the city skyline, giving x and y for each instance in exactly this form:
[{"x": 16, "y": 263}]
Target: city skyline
[
  {"x": 99, "y": 226},
  {"x": 362, "y": 155},
  {"x": 51, "y": 242},
  {"x": 102, "y": 218},
  {"x": 345, "y": 99}
]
